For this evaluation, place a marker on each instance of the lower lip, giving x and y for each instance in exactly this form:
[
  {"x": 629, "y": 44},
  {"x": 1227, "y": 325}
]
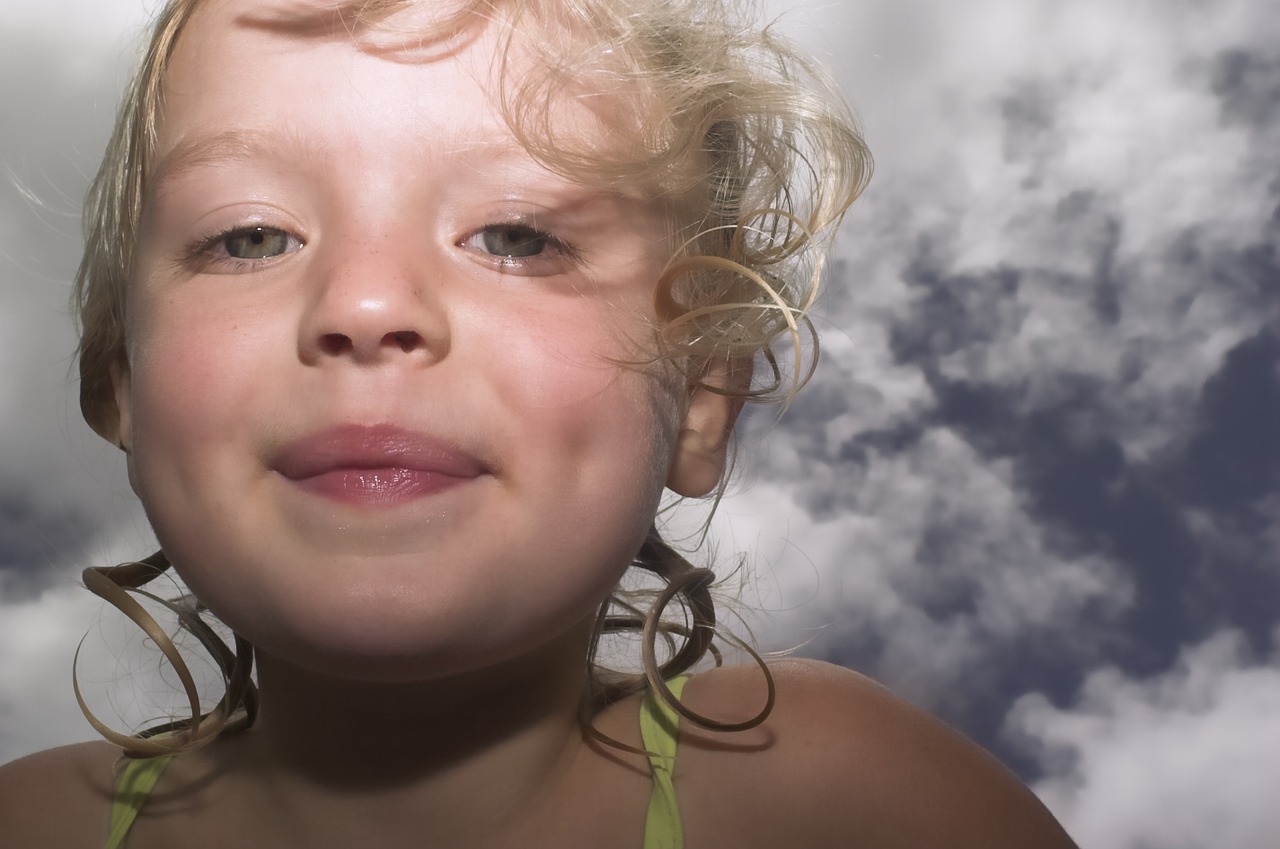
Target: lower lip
[{"x": 377, "y": 487}]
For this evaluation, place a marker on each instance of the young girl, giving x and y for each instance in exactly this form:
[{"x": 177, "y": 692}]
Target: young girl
[{"x": 405, "y": 314}]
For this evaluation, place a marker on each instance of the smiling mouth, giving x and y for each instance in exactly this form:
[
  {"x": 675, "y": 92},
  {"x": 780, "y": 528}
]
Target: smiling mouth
[{"x": 375, "y": 465}]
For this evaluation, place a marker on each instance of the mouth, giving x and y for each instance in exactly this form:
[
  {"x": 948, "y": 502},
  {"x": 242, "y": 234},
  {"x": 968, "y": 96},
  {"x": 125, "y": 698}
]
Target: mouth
[{"x": 375, "y": 465}]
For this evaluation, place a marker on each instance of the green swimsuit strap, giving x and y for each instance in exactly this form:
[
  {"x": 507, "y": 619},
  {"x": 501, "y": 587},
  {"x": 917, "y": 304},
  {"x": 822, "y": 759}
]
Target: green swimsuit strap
[
  {"x": 136, "y": 783},
  {"x": 659, "y": 728},
  {"x": 659, "y": 725}
]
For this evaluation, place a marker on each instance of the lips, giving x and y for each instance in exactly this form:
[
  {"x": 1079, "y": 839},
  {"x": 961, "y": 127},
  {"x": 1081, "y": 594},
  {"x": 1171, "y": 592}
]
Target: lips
[{"x": 378, "y": 465}]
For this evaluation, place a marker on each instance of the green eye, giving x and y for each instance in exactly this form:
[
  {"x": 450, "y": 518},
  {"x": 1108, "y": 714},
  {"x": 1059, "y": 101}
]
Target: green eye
[
  {"x": 238, "y": 250},
  {"x": 513, "y": 241},
  {"x": 256, "y": 243},
  {"x": 519, "y": 248}
]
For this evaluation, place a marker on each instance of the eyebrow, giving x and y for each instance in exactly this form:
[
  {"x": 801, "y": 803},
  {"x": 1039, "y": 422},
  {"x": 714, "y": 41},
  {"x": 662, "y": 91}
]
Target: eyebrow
[
  {"x": 227, "y": 146},
  {"x": 241, "y": 145},
  {"x": 237, "y": 145}
]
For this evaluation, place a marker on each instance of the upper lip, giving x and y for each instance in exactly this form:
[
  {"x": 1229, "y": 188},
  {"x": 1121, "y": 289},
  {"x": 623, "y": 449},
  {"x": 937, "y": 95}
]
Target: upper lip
[{"x": 381, "y": 446}]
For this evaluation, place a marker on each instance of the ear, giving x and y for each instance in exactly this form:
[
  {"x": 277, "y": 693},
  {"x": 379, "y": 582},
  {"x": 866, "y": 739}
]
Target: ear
[
  {"x": 702, "y": 446},
  {"x": 115, "y": 422},
  {"x": 104, "y": 385}
]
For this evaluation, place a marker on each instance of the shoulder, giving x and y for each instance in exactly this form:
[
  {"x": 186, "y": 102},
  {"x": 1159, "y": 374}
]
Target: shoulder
[
  {"x": 58, "y": 798},
  {"x": 841, "y": 761}
]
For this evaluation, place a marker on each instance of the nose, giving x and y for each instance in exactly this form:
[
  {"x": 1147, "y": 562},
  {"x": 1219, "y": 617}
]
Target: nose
[{"x": 371, "y": 304}]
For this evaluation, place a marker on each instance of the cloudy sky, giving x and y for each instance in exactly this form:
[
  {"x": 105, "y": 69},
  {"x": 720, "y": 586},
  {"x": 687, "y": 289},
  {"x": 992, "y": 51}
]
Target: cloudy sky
[{"x": 1035, "y": 486}]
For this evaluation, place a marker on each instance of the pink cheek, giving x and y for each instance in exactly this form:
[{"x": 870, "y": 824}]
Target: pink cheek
[
  {"x": 559, "y": 372},
  {"x": 184, "y": 382}
]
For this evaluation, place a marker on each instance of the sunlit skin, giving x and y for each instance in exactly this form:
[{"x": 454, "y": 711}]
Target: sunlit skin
[
  {"x": 338, "y": 243},
  {"x": 405, "y": 281},
  {"x": 374, "y": 405}
]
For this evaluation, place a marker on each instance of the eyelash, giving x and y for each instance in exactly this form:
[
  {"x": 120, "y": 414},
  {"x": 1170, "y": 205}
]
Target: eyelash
[
  {"x": 200, "y": 255},
  {"x": 556, "y": 245}
]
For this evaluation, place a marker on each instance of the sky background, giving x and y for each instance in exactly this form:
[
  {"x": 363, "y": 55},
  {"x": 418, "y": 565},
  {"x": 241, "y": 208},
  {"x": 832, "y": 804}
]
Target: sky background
[{"x": 1035, "y": 485}]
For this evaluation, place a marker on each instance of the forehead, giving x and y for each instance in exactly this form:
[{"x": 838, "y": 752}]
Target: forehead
[
  {"x": 450, "y": 83},
  {"x": 293, "y": 69}
]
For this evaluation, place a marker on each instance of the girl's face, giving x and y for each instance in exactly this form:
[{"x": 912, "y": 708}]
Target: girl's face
[{"x": 369, "y": 398}]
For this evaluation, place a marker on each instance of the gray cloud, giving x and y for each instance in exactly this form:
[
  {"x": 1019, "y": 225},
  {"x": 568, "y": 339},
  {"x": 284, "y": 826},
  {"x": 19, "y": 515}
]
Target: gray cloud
[
  {"x": 1047, "y": 434},
  {"x": 64, "y": 500},
  {"x": 61, "y": 486}
]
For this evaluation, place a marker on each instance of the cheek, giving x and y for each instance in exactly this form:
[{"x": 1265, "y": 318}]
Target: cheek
[
  {"x": 171, "y": 388},
  {"x": 190, "y": 386},
  {"x": 191, "y": 351},
  {"x": 603, "y": 426},
  {"x": 593, "y": 387}
]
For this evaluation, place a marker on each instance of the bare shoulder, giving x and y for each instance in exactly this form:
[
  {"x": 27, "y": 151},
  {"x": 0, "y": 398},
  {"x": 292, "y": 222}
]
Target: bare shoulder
[
  {"x": 58, "y": 798},
  {"x": 842, "y": 762}
]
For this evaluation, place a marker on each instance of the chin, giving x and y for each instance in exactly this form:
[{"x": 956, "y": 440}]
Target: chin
[{"x": 386, "y": 648}]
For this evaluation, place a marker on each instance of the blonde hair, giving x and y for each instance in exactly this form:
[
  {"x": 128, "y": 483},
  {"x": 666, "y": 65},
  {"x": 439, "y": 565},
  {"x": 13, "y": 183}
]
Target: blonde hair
[{"x": 750, "y": 145}]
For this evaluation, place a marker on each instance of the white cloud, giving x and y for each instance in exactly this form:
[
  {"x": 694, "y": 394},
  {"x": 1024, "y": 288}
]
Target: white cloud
[
  {"x": 1182, "y": 760},
  {"x": 985, "y": 116},
  {"x": 941, "y": 618},
  {"x": 38, "y": 638},
  {"x": 37, "y": 709}
]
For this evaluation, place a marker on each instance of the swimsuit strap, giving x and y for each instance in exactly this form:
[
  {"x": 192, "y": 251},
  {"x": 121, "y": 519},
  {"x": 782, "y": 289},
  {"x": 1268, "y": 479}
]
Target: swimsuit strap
[
  {"x": 659, "y": 727},
  {"x": 136, "y": 783}
]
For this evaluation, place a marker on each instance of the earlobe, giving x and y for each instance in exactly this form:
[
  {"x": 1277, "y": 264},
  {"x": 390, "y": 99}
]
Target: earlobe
[{"x": 702, "y": 446}]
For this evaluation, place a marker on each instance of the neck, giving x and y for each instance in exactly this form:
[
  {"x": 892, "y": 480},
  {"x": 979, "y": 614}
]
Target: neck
[{"x": 502, "y": 734}]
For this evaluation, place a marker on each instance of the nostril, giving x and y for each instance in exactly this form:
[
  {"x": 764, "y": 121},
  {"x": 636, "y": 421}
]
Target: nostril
[
  {"x": 335, "y": 343},
  {"x": 371, "y": 347},
  {"x": 408, "y": 340}
]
